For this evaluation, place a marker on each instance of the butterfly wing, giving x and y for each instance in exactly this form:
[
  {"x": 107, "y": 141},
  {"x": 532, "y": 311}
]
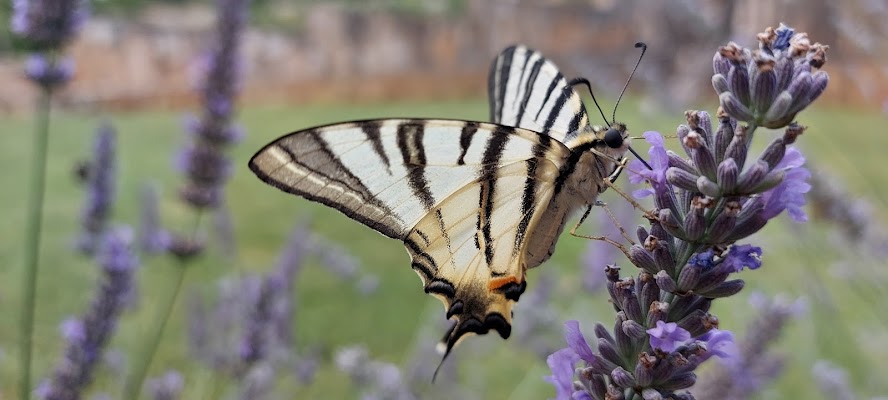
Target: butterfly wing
[
  {"x": 461, "y": 195},
  {"x": 526, "y": 90}
]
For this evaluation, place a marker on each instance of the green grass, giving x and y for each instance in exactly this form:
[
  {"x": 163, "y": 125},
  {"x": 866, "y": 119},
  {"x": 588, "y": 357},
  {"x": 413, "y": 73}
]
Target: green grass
[{"x": 845, "y": 323}]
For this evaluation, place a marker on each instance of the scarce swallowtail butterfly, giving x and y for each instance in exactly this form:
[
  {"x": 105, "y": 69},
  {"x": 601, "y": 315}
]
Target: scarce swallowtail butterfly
[{"x": 476, "y": 204}]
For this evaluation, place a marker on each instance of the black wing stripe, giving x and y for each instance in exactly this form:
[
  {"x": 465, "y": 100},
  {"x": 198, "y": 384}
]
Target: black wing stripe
[
  {"x": 549, "y": 91},
  {"x": 528, "y": 88},
  {"x": 490, "y": 162},
  {"x": 465, "y": 140},
  {"x": 410, "y": 136},
  {"x": 503, "y": 78},
  {"x": 528, "y": 198},
  {"x": 371, "y": 130}
]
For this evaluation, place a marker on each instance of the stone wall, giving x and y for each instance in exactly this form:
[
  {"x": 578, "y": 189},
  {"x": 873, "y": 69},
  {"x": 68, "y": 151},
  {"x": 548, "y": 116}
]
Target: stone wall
[{"x": 337, "y": 54}]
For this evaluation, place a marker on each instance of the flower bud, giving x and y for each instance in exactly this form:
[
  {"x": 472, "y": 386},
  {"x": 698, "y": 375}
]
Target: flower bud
[
  {"x": 694, "y": 323},
  {"x": 622, "y": 378},
  {"x": 774, "y": 152},
  {"x": 671, "y": 223},
  {"x": 752, "y": 178},
  {"x": 679, "y": 381},
  {"x": 608, "y": 353},
  {"x": 723, "y": 137},
  {"x": 738, "y": 80},
  {"x": 642, "y": 259},
  {"x": 708, "y": 187},
  {"x": 734, "y": 107},
  {"x": 657, "y": 312},
  {"x": 727, "y": 175},
  {"x": 676, "y": 161},
  {"x": 720, "y": 84},
  {"x": 747, "y": 227},
  {"x": 665, "y": 282},
  {"x": 663, "y": 258},
  {"x": 682, "y": 179},
  {"x": 688, "y": 278},
  {"x": 779, "y": 109},
  {"x": 724, "y": 289},
  {"x": 651, "y": 394},
  {"x": 738, "y": 148},
  {"x": 764, "y": 87},
  {"x": 634, "y": 330},
  {"x": 724, "y": 223},
  {"x": 602, "y": 333}
]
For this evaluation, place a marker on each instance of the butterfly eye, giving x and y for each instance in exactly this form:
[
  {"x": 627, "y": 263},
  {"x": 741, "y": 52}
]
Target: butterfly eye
[{"x": 613, "y": 138}]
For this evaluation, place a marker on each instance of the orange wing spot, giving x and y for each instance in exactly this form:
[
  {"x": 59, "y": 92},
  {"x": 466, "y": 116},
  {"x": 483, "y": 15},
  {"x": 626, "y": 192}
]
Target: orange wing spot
[{"x": 497, "y": 283}]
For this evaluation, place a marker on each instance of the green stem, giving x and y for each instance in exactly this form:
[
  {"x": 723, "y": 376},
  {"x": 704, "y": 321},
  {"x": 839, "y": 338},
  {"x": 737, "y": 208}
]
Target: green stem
[
  {"x": 32, "y": 245},
  {"x": 133, "y": 386}
]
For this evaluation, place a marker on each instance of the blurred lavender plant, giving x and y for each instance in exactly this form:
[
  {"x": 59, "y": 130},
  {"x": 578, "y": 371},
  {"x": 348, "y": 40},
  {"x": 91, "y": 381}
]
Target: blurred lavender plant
[
  {"x": 203, "y": 160},
  {"x": 46, "y": 26},
  {"x": 253, "y": 316},
  {"x": 378, "y": 380},
  {"x": 152, "y": 237},
  {"x": 756, "y": 364},
  {"x": 100, "y": 189},
  {"x": 167, "y": 386},
  {"x": 705, "y": 204},
  {"x": 88, "y": 335}
]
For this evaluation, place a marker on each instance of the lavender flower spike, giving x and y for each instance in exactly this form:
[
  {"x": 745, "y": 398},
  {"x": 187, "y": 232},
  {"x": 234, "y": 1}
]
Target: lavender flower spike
[
  {"x": 204, "y": 161},
  {"x": 770, "y": 85},
  {"x": 48, "y": 24},
  {"x": 88, "y": 335},
  {"x": 100, "y": 189}
]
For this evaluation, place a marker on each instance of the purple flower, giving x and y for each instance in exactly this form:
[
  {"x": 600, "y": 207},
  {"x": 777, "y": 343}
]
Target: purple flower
[
  {"x": 784, "y": 34},
  {"x": 167, "y": 386},
  {"x": 577, "y": 342},
  {"x": 703, "y": 259},
  {"x": 639, "y": 173},
  {"x": 100, "y": 189},
  {"x": 718, "y": 343},
  {"x": 88, "y": 335},
  {"x": 743, "y": 255},
  {"x": 562, "y": 364},
  {"x": 48, "y": 73},
  {"x": 48, "y": 24},
  {"x": 666, "y": 336},
  {"x": 152, "y": 238},
  {"x": 789, "y": 195}
]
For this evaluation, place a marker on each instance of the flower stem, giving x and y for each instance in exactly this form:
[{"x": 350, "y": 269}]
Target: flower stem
[
  {"x": 32, "y": 244},
  {"x": 133, "y": 386}
]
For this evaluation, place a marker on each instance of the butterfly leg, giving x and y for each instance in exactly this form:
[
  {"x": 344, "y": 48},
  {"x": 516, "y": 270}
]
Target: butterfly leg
[
  {"x": 605, "y": 239},
  {"x": 648, "y": 214}
]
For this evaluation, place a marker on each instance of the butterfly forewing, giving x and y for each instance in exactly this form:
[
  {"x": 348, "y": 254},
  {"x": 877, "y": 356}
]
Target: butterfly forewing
[{"x": 527, "y": 90}]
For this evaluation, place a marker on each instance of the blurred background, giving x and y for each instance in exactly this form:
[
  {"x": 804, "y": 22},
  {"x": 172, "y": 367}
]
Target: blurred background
[{"x": 358, "y": 324}]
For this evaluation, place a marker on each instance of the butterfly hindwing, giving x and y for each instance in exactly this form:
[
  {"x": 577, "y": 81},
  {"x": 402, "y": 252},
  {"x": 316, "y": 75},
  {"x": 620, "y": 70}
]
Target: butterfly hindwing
[
  {"x": 527, "y": 90},
  {"x": 461, "y": 195}
]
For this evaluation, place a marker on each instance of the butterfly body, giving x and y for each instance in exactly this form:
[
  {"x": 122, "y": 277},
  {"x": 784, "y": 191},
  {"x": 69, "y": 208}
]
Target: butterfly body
[{"x": 476, "y": 204}]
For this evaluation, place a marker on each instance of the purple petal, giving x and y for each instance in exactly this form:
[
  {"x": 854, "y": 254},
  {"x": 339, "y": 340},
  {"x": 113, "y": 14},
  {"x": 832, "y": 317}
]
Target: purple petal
[
  {"x": 577, "y": 341},
  {"x": 562, "y": 365}
]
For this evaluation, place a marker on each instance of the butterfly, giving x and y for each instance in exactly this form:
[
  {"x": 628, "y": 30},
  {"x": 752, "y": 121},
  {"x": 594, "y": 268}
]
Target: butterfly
[{"x": 476, "y": 204}]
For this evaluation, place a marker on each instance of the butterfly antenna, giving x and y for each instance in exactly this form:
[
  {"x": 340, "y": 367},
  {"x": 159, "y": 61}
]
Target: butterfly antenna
[
  {"x": 644, "y": 48},
  {"x": 583, "y": 81},
  {"x": 640, "y": 159}
]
